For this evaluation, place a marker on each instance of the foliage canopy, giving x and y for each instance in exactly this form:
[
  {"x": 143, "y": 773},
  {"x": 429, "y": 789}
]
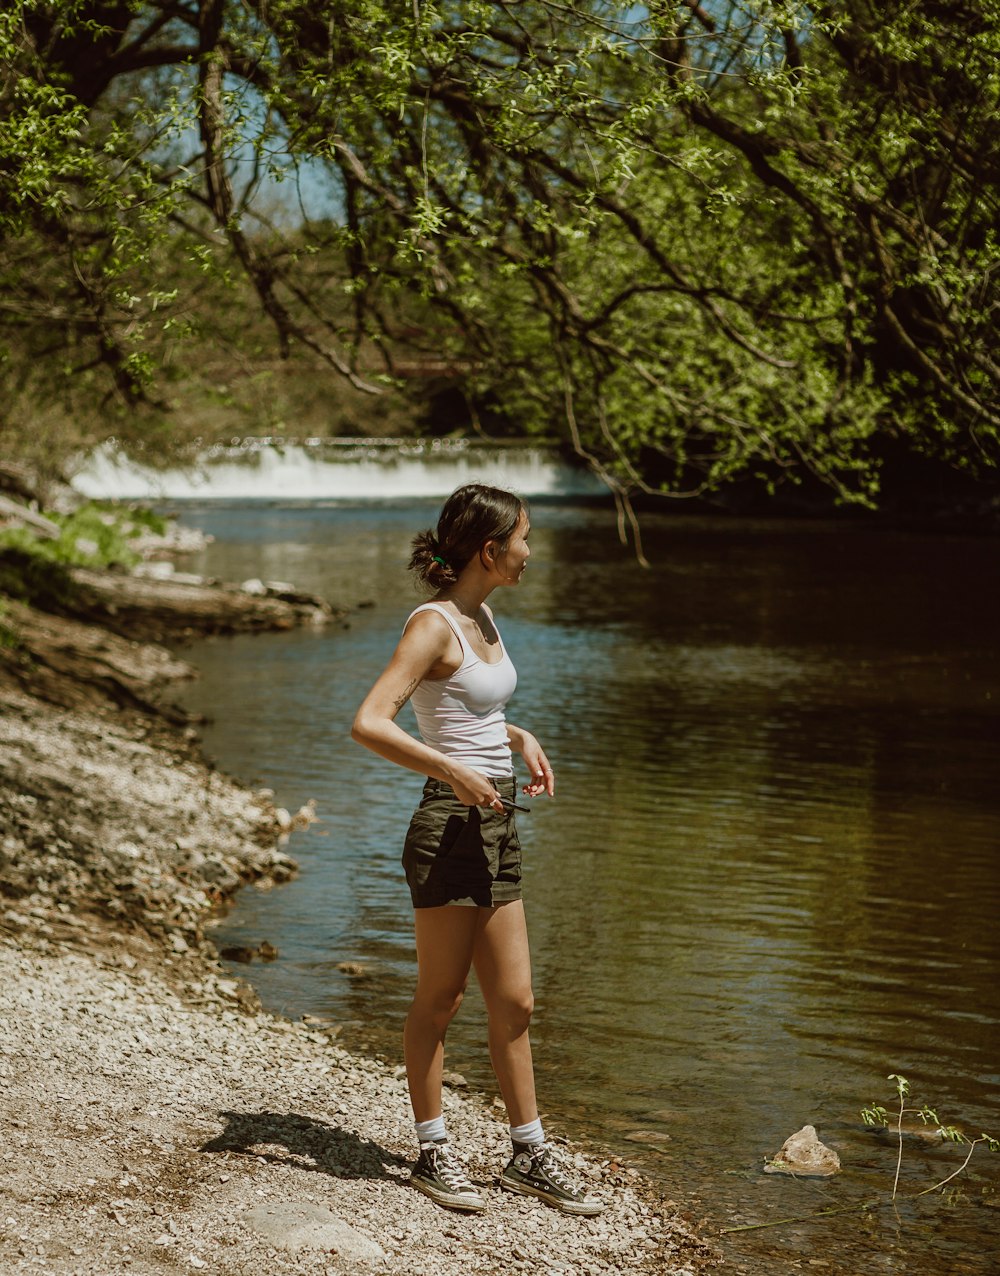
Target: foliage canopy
[{"x": 699, "y": 241}]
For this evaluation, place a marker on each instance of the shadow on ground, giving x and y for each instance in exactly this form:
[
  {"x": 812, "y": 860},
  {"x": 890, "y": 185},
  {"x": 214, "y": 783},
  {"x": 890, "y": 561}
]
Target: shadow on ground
[{"x": 285, "y": 1138}]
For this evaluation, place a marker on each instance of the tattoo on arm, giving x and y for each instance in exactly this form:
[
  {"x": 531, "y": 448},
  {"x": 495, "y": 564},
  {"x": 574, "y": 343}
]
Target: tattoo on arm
[{"x": 401, "y": 700}]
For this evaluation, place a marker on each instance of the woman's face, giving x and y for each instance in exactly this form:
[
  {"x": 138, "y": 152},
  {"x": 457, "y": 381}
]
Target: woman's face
[{"x": 511, "y": 561}]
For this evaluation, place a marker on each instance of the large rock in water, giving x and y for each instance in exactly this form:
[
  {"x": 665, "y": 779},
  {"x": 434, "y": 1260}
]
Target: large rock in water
[{"x": 803, "y": 1155}]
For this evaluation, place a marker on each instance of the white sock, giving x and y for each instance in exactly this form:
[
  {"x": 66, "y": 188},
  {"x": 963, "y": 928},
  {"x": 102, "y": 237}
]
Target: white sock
[
  {"x": 432, "y": 1131},
  {"x": 530, "y": 1133}
]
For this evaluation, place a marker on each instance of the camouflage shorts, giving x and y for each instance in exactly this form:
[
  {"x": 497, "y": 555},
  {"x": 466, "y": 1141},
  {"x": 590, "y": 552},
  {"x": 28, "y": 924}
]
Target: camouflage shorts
[{"x": 456, "y": 854}]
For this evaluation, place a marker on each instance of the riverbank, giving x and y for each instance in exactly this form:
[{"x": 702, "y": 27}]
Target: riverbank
[{"x": 159, "y": 1121}]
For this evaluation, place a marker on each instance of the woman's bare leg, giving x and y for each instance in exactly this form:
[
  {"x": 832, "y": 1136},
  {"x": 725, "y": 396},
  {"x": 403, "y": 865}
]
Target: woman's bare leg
[
  {"x": 445, "y": 940},
  {"x": 503, "y": 968}
]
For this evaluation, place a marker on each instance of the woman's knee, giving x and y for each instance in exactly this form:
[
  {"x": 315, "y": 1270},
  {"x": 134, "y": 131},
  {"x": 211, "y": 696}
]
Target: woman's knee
[
  {"x": 514, "y": 1010},
  {"x": 440, "y": 1005}
]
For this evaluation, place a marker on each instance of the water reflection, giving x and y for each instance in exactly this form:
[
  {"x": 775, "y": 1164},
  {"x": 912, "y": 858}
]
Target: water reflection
[{"x": 769, "y": 876}]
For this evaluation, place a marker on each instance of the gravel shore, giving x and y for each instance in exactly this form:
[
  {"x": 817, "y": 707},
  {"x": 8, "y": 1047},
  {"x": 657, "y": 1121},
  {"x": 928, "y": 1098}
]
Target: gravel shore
[
  {"x": 144, "y": 1131},
  {"x": 156, "y": 1119}
]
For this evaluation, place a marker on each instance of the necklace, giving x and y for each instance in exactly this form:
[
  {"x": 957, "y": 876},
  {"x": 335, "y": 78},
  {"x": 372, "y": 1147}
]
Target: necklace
[
  {"x": 474, "y": 618},
  {"x": 479, "y": 629}
]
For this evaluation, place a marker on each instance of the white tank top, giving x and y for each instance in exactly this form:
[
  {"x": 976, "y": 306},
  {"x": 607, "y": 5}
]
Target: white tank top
[{"x": 463, "y": 716}]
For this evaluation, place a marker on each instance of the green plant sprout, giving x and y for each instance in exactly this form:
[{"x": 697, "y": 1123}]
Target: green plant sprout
[{"x": 877, "y": 1115}]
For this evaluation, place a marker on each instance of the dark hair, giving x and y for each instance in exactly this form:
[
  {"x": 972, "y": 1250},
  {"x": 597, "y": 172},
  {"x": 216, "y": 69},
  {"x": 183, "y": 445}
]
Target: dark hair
[{"x": 471, "y": 516}]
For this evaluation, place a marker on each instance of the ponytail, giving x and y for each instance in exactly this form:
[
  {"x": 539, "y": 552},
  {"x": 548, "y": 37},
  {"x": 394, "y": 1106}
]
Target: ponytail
[{"x": 428, "y": 563}]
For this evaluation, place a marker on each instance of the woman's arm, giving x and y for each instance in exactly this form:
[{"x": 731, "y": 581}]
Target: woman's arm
[
  {"x": 422, "y": 650},
  {"x": 542, "y": 778}
]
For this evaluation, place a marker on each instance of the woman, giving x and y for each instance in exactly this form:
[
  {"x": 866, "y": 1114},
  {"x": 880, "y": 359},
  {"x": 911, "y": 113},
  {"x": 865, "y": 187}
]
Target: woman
[{"x": 461, "y": 855}]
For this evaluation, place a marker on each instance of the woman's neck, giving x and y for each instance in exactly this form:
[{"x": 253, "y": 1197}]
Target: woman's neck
[{"x": 468, "y": 593}]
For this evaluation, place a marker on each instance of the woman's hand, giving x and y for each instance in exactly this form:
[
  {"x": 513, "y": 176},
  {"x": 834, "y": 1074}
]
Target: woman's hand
[
  {"x": 472, "y": 788},
  {"x": 542, "y": 778}
]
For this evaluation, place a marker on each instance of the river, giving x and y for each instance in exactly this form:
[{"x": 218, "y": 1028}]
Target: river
[{"x": 769, "y": 877}]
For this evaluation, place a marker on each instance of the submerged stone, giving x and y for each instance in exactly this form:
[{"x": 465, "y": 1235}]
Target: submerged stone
[{"x": 923, "y": 1132}]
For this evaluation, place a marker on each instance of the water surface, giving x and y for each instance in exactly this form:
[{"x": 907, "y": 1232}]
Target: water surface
[{"x": 769, "y": 877}]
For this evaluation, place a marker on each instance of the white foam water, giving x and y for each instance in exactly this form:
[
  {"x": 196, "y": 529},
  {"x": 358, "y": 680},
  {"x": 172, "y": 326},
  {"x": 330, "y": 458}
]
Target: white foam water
[{"x": 339, "y": 469}]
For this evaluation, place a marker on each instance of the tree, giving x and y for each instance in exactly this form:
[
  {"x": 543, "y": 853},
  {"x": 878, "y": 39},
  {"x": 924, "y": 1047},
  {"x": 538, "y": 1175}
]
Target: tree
[{"x": 699, "y": 241}]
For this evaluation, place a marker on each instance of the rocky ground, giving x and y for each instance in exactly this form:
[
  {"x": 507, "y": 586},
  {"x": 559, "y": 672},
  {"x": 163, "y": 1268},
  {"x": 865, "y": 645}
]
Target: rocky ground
[
  {"x": 152, "y": 1126},
  {"x": 155, "y": 1119}
]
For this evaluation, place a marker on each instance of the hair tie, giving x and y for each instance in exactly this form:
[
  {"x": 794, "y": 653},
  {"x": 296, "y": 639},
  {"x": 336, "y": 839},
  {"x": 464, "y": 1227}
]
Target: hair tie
[{"x": 437, "y": 559}]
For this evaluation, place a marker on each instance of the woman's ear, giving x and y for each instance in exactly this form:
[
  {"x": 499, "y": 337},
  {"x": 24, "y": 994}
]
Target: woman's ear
[{"x": 487, "y": 556}]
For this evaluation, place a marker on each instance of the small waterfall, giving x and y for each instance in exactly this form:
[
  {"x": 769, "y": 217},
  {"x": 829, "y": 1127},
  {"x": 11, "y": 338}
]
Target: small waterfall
[{"x": 336, "y": 469}]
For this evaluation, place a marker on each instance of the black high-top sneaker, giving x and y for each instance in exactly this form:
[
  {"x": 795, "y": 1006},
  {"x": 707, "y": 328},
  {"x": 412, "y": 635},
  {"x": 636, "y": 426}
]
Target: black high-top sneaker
[
  {"x": 439, "y": 1174},
  {"x": 536, "y": 1169}
]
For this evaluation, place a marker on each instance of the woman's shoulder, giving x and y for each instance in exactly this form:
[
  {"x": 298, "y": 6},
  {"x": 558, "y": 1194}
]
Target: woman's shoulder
[
  {"x": 431, "y": 612},
  {"x": 430, "y": 621},
  {"x": 429, "y": 639}
]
